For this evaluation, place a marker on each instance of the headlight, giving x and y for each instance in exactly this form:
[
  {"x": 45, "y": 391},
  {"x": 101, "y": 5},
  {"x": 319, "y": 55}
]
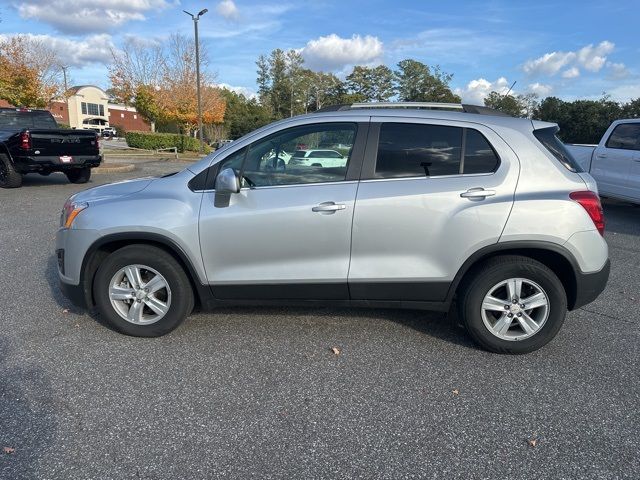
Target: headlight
[{"x": 70, "y": 211}]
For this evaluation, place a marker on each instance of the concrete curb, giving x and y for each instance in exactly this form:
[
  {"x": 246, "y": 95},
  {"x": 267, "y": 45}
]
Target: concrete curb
[{"x": 114, "y": 169}]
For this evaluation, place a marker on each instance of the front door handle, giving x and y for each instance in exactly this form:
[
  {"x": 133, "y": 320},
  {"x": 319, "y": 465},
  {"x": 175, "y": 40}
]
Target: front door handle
[
  {"x": 478, "y": 193},
  {"x": 601, "y": 155},
  {"x": 328, "y": 207}
]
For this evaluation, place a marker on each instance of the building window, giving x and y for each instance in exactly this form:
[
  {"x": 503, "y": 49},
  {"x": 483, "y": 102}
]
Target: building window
[
  {"x": 101, "y": 110},
  {"x": 122, "y": 115},
  {"x": 84, "y": 108},
  {"x": 135, "y": 117}
]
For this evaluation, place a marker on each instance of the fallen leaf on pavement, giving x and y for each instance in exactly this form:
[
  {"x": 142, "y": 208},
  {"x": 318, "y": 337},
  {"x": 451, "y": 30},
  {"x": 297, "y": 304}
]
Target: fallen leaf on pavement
[
  {"x": 335, "y": 350},
  {"x": 8, "y": 450},
  {"x": 66, "y": 310},
  {"x": 533, "y": 442},
  {"x": 456, "y": 392}
]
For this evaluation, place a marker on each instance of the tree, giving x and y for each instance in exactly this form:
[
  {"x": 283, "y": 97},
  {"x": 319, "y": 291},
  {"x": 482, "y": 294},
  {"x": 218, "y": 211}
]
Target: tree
[
  {"x": 177, "y": 94},
  {"x": 508, "y": 104},
  {"x": 580, "y": 121},
  {"x": 369, "y": 84},
  {"x": 242, "y": 115},
  {"x": 631, "y": 109},
  {"x": 135, "y": 64},
  {"x": 160, "y": 81},
  {"x": 29, "y": 72},
  {"x": 417, "y": 82}
]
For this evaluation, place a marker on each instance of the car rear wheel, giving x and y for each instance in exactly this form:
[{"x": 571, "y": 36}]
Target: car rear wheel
[
  {"x": 512, "y": 304},
  {"x": 143, "y": 291},
  {"x": 79, "y": 175},
  {"x": 9, "y": 178}
]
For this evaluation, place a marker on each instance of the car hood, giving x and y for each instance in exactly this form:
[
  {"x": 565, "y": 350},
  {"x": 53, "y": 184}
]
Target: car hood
[{"x": 118, "y": 189}]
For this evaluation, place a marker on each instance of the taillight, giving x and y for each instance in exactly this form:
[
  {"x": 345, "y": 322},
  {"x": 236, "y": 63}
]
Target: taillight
[
  {"x": 97, "y": 142},
  {"x": 590, "y": 201},
  {"x": 25, "y": 140}
]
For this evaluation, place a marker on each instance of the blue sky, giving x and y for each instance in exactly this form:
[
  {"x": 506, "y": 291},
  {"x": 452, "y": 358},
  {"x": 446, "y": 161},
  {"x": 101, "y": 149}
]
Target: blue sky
[{"x": 571, "y": 49}]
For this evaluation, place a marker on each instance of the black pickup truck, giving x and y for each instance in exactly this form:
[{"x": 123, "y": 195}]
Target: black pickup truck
[{"x": 30, "y": 141}]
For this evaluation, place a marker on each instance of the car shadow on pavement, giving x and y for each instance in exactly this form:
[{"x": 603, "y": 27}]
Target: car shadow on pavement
[
  {"x": 621, "y": 217},
  {"x": 435, "y": 324},
  {"x": 27, "y": 417},
  {"x": 37, "y": 180}
]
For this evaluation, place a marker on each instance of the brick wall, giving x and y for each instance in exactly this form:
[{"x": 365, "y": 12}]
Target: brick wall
[
  {"x": 60, "y": 111},
  {"x": 128, "y": 120}
]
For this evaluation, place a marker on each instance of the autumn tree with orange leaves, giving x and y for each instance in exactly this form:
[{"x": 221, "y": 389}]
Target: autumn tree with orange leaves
[
  {"x": 29, "y": 72},
  {"x": 160, "y": 81}
]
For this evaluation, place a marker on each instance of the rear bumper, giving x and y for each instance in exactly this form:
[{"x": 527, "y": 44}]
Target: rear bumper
[
  {"x": 52, "y": 164},
  {"x": 590, "y": 285}
]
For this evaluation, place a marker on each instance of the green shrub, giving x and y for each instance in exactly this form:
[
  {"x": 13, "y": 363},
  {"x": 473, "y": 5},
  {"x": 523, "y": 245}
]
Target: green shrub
[
  {"x": 157, "y": 141},
  {"x": 119, "y": 131}
]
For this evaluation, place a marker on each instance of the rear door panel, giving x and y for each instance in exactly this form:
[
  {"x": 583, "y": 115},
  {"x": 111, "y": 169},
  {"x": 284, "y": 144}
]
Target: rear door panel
[{"x": 411, "y": 235}]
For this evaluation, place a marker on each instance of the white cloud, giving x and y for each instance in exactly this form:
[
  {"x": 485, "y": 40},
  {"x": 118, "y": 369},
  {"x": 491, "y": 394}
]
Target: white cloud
[
  {"x": 549, "y": 63},
  {"x": 540, "y": 89},
  {"x": 590, "y": 57},
  {"x": 77, "y": 53},
  {"x": 247, "y": 92},
  {"x": 476, "y": 90},
  {"x": 572, "y": 72},
  {"x": 80, "y": 16},
  {"x": 228, "y": 9},
  {"x": 617, "y": 71},
  {"x": 593, "y": 58},
  {"x": 333, "y": 52}
]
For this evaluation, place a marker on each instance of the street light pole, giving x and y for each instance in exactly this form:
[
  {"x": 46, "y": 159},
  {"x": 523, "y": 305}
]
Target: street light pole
[{"x": 195, "y": 19}]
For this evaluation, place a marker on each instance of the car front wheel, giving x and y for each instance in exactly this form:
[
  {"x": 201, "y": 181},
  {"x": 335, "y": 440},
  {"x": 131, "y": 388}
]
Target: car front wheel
[
  {"x": 142, "y": 291},
  {"x": 512, "y": 304}
]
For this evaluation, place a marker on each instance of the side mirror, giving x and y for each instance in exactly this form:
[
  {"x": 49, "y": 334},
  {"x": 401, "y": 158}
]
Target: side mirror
[{"x": 227, "y": 182}]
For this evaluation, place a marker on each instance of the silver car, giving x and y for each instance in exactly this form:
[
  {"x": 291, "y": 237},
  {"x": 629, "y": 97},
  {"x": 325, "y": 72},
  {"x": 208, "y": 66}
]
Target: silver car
[{"x": 436, "y": 206}]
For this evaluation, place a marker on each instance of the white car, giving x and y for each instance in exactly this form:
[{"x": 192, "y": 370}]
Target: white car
[
  {"x": 318, "y": 158},
  {"x": 615, "y": 161}
]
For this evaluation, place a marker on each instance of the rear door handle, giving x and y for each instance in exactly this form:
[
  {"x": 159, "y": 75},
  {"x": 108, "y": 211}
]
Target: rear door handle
[
  {"x": 601, "y": 155},
  {"x": 328, "y": 207},
  {"x": 478, "y": 193}
]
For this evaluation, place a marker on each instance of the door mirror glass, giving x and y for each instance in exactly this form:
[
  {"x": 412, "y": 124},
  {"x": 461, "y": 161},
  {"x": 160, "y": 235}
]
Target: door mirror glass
[{"x": 227, "y": 181}]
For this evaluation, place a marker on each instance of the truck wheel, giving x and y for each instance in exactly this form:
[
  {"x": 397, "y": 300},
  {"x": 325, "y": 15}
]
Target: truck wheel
[
  {"x": 9, "y": 178},
  {"x": 79, "y": 175},
  {"x": 512, "y": 304},
  {"x": 141, "y": 290}
]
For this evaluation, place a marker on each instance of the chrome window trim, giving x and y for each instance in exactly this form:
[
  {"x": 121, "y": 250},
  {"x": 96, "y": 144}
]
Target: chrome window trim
[{"x": 436, "y": 177}]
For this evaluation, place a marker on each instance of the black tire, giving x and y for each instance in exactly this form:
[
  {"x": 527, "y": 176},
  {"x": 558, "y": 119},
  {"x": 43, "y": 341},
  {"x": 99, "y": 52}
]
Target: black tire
[
  {"x": 79, "y": 175},
  {"x": 482, "y": 279},
  {"x": 182, "y": 300},
  {"x": 9, "y": 178}
]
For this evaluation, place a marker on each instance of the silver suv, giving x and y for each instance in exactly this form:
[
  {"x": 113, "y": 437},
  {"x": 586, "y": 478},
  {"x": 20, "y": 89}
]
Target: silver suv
[{"x": 431, "y": 207}]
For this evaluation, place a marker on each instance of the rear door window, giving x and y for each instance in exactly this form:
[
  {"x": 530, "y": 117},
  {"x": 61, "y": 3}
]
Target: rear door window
[
  {"x": 419, "y": 150},
  {"x": 625, "y": 136},
  {"x": 413, "y": 150}
]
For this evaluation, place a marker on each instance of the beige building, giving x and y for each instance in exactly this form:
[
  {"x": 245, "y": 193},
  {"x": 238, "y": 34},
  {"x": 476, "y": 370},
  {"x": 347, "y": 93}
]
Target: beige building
[{"x": 88, "y": 107}]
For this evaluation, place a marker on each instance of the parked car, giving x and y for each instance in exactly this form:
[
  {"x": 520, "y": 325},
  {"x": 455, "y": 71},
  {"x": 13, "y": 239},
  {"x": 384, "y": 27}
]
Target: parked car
[
  {"x": 108, "y": 132},
  {"x": 615, "y": 161},
  {"x": 432, "y": 208},
  {"x": 30, "y": 141},
  {"x": 318, "y": 158}
]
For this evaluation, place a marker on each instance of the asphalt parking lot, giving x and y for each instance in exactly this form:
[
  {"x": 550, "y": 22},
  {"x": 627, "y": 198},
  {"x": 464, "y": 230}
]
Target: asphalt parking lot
[{"x": 258, "y": 393}]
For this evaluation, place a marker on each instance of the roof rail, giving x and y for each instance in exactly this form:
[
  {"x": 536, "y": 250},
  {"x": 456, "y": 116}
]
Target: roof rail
[{"x": 460, "y": 107}]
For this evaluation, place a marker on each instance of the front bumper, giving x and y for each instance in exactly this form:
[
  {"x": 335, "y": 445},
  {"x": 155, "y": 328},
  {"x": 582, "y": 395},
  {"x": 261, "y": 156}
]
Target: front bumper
[
  {"x": 54, "y": 164},
  {"x": 590, "y": 285},
  {"x": 75, "y": 293}
]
